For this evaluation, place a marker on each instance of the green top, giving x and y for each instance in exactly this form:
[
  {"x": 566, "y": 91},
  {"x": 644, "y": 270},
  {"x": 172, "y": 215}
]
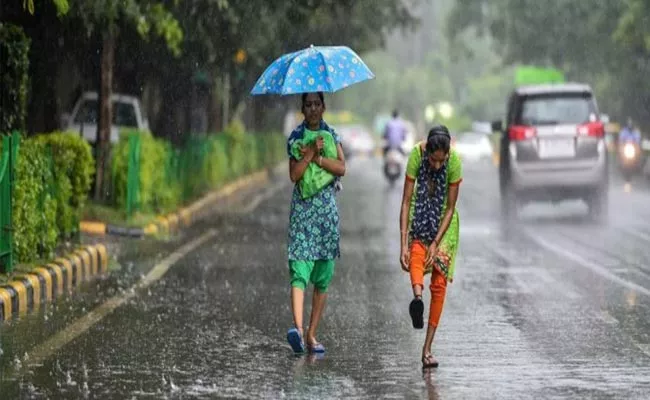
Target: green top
[
  {"x": 454, "y": 173},
  {"x": 315, "y": 178}
]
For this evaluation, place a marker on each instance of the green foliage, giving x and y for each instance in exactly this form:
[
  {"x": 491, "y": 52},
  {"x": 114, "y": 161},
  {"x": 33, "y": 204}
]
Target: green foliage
[
  {"x": 202, "y": 164},
  {"x": 155, "y": 192},
  {"x": 62, "y": 6},
  {"x": 104, "y": 16},
  {"x": 600, "y": 42},
  {"x": 34, "y": 205},
  {"x": 53, "y": 176},
  {"x": 14, "y": 69},
  {"x": 73, "y": 169}
]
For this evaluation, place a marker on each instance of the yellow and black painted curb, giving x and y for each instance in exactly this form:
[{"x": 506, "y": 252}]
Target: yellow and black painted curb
[
  {"x": 27, "y": 291},
  {"x": 173, "y": 222}
]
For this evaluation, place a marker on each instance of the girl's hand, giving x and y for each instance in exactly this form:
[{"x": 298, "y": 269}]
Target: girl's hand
[
  {"x": 432, "y": 252},
  {"x": 308, "y": 153},
  {"x": 404, "y": 258},
  {"x": 320, "y": 144}
]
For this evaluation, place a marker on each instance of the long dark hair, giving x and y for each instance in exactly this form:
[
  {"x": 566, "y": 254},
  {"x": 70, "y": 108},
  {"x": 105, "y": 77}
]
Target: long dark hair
[{"x": 438, "y": 139}]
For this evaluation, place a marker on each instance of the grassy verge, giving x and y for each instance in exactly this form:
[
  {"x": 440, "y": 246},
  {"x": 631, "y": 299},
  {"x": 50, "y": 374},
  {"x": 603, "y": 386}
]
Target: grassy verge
[{"x": 109, "y": 215}]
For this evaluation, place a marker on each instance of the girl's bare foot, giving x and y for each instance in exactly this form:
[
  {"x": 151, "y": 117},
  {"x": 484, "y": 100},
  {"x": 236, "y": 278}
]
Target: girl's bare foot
[
  {"x": 313, "y": 346},
  {"x": 428, "y": 361}
]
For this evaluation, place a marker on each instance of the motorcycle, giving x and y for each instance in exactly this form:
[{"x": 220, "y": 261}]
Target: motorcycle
[
  {"x": 393, "y": 162},
  {"x": 630, "y": 159}
]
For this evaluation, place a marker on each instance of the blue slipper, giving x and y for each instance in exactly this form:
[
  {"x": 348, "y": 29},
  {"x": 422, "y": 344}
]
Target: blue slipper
[
  {"x": 295, "y": 341},
  {"x": 317, "y": 348}
]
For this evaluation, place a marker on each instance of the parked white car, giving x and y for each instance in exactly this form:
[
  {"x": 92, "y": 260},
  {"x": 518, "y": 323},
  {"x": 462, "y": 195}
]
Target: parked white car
[
  {"x": 473, "y": 147},
  {"x": 356, "y": 139},
  {"x": 127, "y": 113}
]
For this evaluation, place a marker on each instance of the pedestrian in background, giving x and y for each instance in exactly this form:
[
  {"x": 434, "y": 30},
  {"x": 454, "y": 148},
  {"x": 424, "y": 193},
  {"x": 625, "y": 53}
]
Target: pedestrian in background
[
  {"x": 429, "y": 227},
  {"x": 313, "y": 223}
]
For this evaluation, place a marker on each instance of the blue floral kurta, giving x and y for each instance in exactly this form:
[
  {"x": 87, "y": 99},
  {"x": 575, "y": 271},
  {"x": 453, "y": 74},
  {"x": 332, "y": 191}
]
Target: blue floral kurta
[{"x": 313, "y": 222}]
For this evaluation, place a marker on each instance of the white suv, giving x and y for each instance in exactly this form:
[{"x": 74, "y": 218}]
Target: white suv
[{"x": 127, "y": 113}]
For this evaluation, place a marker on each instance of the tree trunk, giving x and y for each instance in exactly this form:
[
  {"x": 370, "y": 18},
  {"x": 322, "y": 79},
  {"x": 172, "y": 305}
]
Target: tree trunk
[{"x": 105, "y": 113}]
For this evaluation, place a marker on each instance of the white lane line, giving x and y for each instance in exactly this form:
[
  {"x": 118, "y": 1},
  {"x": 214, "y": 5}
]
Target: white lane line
[
  {"x": 607, "y": 318},
  {"x": 259, "y": 198},
  {"x": 639, "y": 235},
  {"x": 43, "y": 351},
  {"x": 644, "y": 347},
  {"x": 597, "y": 268}
]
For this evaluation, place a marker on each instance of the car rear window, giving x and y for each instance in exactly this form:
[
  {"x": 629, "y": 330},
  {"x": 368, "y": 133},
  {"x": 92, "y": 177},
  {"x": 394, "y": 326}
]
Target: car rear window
[
  {"x": 123, "y": 114},
  {"x": 557, "y": 109},
  {"x": 471, "y": 138}
]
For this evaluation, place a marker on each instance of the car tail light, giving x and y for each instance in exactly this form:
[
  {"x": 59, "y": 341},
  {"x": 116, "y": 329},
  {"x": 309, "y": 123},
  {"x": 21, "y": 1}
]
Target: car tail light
[
  {"x": 593, "y": 129},
  {"x": 520, "y": 132}
]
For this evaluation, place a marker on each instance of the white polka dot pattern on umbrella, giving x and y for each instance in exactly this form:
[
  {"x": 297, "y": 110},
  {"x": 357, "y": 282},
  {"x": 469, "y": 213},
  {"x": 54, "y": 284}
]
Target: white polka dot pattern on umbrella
[{"x": 315, "y": 69}]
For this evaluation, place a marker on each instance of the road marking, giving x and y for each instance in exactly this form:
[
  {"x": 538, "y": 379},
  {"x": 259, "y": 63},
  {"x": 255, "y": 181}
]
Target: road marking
[
  {"x": 637, "y": 234},
  {"x": 607, "y": 318},
  {"x": 259, "y": 198},
  {"x": 594, "y": 267},
  {"x": 645, "y": 348},
  {"x": 43, "y": 351}
]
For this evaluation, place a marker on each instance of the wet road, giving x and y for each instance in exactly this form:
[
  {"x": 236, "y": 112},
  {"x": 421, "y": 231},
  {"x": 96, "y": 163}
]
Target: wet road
[{"x": 554, "y": 307}]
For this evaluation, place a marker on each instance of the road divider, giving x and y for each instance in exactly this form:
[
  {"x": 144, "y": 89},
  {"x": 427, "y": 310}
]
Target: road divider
[
  {"x": 184, "y": 217},
  {"x": 27, "y": 291}
]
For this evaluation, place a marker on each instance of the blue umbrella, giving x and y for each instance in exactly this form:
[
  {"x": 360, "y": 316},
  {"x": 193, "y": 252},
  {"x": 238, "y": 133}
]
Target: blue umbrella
[{"x": 315, "y": 69}]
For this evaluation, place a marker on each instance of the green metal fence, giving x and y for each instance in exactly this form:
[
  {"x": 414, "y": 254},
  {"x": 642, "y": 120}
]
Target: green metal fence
[
  {"x": 8, "y": 158},
  {"x": 202, "y": 164},
  {"x": 133, "y": 175}
]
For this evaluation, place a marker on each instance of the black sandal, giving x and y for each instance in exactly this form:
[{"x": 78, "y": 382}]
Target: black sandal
[{"x": 416, "y": 310}]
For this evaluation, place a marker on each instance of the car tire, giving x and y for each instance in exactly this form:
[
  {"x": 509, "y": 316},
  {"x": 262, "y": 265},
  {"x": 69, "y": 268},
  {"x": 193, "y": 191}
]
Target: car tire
[{"x": 598, "y": 204}]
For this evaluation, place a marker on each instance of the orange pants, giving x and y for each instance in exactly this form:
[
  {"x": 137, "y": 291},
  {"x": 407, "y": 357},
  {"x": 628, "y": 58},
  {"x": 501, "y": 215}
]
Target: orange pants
[{"x": 438, "y": 281}]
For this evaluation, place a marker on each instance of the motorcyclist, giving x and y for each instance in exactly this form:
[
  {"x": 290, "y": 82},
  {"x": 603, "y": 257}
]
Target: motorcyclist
[
  {"x": 395, "y": 134},
  {"x": 629, "y": 134}
]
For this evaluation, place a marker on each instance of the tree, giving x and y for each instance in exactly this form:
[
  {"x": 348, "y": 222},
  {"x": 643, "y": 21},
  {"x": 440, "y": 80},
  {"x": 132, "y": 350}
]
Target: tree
[
  {"x": 601, "y": 42},
  {"x": 104, "y": 18},
  {"x": 216, "y": 30}
]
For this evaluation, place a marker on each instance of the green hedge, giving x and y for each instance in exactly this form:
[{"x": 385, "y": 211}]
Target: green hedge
[
  {"x": 53, "y": 177},
  {"x": 34, "y": 205},
  {"x": 170, "y": 177},
  {"x": 73, "y": 169}
]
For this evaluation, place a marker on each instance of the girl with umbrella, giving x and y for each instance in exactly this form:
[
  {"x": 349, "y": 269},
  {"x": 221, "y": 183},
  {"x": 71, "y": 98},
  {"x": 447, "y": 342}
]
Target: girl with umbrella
[
  {"x": 313, "y": 224},
  {"x": 314, "y": 219},
  {"x": 429, "y": 227}
]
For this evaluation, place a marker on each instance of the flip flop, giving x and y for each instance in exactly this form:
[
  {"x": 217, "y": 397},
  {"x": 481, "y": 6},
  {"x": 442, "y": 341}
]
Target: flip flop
[
  {"x": 416, "y": 310},
  {"x": 316, "y": 348},
  {"x": 295, "y": 341}
]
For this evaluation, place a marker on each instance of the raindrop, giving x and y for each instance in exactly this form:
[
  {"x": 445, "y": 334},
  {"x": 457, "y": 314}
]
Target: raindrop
[
  {"x": 31, "y": 388},
  {"x": 68, "y": 379},
  {"x": 172, "y": 386},
  {"x": 58, "y": 368}
]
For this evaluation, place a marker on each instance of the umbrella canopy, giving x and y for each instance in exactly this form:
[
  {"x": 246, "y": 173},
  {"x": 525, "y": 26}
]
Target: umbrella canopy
[{"x": 315, "y": 69}]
